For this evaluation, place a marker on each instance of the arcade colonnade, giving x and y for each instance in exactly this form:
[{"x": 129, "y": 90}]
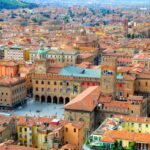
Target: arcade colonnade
[{"x": 51, "y": 99}]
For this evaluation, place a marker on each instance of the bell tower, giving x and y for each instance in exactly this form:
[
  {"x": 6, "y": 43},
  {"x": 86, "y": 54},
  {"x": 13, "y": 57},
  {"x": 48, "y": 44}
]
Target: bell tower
[
  {"x": 41, "y": 63},
  {"x": 108, "y": 75}
]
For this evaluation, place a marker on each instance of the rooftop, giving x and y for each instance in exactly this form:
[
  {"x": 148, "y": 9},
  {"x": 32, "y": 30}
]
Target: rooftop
[
  {"x": 10, "y": 146},
  {"x": 126, "y": 135},
  {"x": 85, "y": 101},
  {"x": 80, "y": 72}
]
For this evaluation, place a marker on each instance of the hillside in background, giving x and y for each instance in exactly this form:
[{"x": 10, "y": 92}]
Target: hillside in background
[
  {"x": 13, "y": 4},
  {"x": 126, "y": 2}
]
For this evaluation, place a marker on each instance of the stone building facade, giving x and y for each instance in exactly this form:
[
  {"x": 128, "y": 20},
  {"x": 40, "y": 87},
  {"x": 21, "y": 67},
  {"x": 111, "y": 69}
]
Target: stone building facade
[
  {"x": 62, "y": 86},
  {"x": 12, "y": 92}
]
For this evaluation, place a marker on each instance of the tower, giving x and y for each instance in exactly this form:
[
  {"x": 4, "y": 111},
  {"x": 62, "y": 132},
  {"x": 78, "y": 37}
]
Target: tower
[
  {"x": 41, "y": 63},
  {"x": 108, "y": 75},
  {"x": 126, "y": 27}
]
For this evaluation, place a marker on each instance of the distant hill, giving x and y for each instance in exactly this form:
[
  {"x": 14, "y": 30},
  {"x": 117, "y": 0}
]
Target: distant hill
[
  {"x": 14, "y": 4},
  {"x": 73, "y": 2}
]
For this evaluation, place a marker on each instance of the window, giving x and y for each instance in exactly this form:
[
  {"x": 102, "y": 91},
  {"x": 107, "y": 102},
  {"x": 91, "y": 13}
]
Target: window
[
  {"x": 42, "y": 89},
  {"x": 36, "y": 82},
  {"x": 42, "y": 82},
  {"x": 127, "y": 94},
  {"x": 48, "y": 83},
  {"x": 128, "y": 85},
  {"x": 45, "y": 139},
  {"x": 74, "y": 130},
  {"x": 20, "y": 129},
  {"x": 56, "y": 134},
  {"x": 140, "y": 125},
  {"x": 25, "y": 129},
  {"x": 139, "y": 83},
  {"x": 66, "y": 129},
  {"x": 20, "y": 135},
  {"x": 146, "y": 84},
  {"x": 37, "y": 89},
  {"x": 55, "y": 83},
  {"x": 146, "y": 125},
  {"x": 132, "y": 124}
]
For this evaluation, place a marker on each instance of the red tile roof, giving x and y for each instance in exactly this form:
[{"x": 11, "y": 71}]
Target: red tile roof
[{"x": 85, "y": 101}]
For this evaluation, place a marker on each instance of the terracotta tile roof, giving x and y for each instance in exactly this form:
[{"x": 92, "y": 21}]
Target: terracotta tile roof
[
  {"x": 144, "y": 76},
  {"x": 117, "y": 104},
  {"x": 138, "y": 98},
  {"x": 78, "y": 125},
  {"x": 14, "y": 147},
  {"x": 125, "y": 135},
  {"x": 129, "y": 77},
  {"x": 8, "y": 62},
  {"x": 105, "y": 99},
  {"x": 40, "y": 121},
  {"x": 142, "y": 56},
  {"x": 106, "y": 139},
  {"x": 54, "y": 70},
  {"x": 10, "y": 81},
  {"x": 69, "y": 146},
  {"x": 134, "y": 119},
  {"x": 85, "y": 101}
]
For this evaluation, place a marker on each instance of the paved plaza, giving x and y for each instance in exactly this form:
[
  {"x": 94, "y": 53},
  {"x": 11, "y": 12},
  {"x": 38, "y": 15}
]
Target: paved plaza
[{"x": 33, "y": 108}]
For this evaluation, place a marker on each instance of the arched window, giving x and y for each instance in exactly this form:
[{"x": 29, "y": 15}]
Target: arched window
[{"x": 42, "y": 82}]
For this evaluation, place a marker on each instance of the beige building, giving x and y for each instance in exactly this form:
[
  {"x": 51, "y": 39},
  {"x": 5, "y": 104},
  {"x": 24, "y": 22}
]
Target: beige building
[
  {"x": 54, "y": 83},
  {"x": 12, "y": 92}
]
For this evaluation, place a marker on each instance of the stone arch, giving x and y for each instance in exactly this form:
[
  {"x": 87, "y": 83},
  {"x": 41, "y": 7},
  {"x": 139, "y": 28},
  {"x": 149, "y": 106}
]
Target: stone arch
[
  {"x": 55, "y": 99},
  {"x": 42, "y": 98},
  {"x": 67, "y": 99},
  {"x": 49, "y": 100},
  {"x": 61, "y": 100},
  {"x": 37, "y": 98}
]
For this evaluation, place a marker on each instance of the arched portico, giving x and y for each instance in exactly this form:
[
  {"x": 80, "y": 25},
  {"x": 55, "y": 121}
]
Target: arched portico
[{"x": 43, "y": 99}]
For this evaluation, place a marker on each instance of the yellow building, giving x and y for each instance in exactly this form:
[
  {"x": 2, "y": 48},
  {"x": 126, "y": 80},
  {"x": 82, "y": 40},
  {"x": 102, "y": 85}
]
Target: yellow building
[
  {"x": 128, "y": 131},
  {"x": 27, "y": 55},
  {"x": 26, "y": 132},
  {"x": 47, "y": 133},
  {"x": 136, "y": 124}
]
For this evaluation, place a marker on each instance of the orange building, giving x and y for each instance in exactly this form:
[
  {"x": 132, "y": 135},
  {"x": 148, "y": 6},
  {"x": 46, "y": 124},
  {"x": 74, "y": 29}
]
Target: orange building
[
  {"x": 73, "y": 134},
  {"x": 8, "y": 68},
  {"x": 26, "y": 72}
]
